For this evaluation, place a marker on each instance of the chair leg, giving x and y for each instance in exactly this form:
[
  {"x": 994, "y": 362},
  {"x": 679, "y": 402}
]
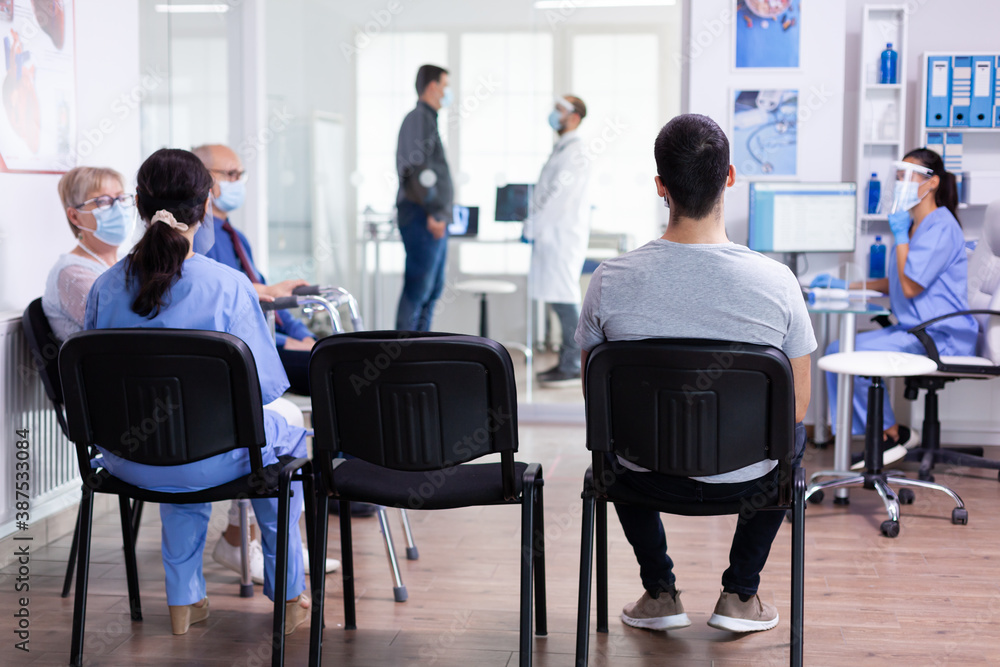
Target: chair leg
[
  {"x": 602, "y": 565},
  {"x": 73, "y": 547},
  {"x": 281, "y": 572},
  {"x": 541, "y": 618},
  {"x": 136, "y": 519},
  {"x": 586, "y": 574},
  {"x": 798, "y": 569},
  {"x": 527, "y": 562},
  {"x": 131, "y": 569},
  {"x": 319, "y": 585},
  {"x": 411, "y": 546},
  {"x": 347, "y": 566},
  {"x": 246, "y": 582},
  {"x": 398, "y": 589},
  {"x": 82, "y": 572}
]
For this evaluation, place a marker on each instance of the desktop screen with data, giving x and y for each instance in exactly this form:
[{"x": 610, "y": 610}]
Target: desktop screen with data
[{"x": 803, "y": 217}]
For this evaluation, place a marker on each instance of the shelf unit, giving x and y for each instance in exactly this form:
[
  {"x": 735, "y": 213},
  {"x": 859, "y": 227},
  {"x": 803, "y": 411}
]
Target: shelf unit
[
  {"x": 881, "y": 109},
  {"x": 980, "y": 145}
]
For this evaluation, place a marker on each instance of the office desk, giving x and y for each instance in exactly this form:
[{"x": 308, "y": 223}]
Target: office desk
[{"x": 848, "y": 311}]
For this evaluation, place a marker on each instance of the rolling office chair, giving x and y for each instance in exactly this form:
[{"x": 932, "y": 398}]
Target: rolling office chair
[
  {"x": 44, "y": 348},
  {"x": 645, "y": 402},
  {"x": 414, "y": 409},
  {"x": 116, "y": 381},
  {"x": 984, "y": 302}
]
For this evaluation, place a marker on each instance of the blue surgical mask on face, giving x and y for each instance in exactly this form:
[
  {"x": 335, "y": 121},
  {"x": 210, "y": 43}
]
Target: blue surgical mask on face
[
  {"x": 114, "y": 224},
  {"x": 232, "y": 194},
  {"x": 905, "y": 195},
  {"x": 448, "y": 97},
  {"x": 555, "y": 120}
]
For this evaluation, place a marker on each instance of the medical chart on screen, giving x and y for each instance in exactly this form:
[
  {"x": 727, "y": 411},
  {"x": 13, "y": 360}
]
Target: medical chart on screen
[
  {"x": 813, "y": 223},
  {"x": 38, "y": 102}
]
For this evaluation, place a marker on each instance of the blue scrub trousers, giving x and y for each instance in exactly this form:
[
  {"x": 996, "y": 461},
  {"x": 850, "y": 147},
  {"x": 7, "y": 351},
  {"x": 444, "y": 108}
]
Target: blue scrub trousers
[
  {"x": 890, "y": 339},
  {"x": 423, "y": 277},
  {"x": 185, "y": 527}
]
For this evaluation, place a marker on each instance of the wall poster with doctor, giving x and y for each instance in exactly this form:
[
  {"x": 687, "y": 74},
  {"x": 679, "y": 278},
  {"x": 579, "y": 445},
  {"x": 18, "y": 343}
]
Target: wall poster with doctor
[
  {"x": 765, "y": 133},
  {"x": 767, "y": 33}
]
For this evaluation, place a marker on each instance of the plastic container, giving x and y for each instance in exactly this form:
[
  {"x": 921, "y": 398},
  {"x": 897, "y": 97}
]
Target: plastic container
[
  {"x": 887, "y": 73},
  {"x": 874, "y": 194},
  {"x": 889, "y": 127},
  {"x": 876, "y": 259}
]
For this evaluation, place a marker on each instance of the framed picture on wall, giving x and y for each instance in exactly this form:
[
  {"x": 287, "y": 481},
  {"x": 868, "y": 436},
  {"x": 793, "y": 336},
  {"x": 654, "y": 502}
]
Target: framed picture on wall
[
  {"x": 764, "y": 133},
  {"x": 767, "y": 34}
]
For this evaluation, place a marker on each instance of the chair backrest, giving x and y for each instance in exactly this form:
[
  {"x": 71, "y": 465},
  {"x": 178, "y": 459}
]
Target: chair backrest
[
  {"x": 161, "y": 396},
  {"x": 44, "y": 348},
  {"x": 984, "y": 284},
  {"x": 413, "y": 401},
  {"x": 690, "y": 408}
]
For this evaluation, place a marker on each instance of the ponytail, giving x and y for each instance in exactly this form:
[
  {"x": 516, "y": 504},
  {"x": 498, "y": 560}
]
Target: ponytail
[
  {"x": 178, "y": 182},
  {"x": 946, "y": 194}
]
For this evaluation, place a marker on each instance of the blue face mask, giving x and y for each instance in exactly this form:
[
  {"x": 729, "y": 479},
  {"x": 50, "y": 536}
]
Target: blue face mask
[
  {"x": 114, "y": 224},
  {"x": 555, "y": 120},
  {"x": 204, "y": 238},
  {"x": 232, "y": 194},
  {"x": 448, "y": 97}
]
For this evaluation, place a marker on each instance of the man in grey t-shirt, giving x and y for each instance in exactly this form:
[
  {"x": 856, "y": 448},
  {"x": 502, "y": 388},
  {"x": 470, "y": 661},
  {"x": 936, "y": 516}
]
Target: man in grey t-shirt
[{"x": 694, "y": 283}]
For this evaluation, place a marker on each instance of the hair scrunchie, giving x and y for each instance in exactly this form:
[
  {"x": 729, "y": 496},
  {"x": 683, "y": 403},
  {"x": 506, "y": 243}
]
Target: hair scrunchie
[{"x": 167, "y": 218}]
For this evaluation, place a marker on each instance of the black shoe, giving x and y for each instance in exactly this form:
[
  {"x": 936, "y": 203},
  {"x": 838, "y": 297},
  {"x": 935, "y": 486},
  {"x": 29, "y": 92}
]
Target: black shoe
[
  {"x": 556, "y": 375},
  {"x": 357, "y": 509},
  {"x": 893, "y": 450}
]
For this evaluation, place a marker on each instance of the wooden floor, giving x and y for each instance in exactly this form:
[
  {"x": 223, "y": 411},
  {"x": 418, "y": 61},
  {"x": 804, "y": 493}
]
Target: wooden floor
[{"x": 929, "y": 597}]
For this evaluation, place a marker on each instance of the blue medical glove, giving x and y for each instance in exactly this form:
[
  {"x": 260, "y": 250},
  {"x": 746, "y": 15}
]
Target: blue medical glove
[
  {"x": 899, "y": 223},
  {"x": 525, "y": 239},
  {"x": 826, "y": 280}
]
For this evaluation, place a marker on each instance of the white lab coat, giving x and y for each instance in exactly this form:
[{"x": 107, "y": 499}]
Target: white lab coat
[{"x": 559, "y": 223}]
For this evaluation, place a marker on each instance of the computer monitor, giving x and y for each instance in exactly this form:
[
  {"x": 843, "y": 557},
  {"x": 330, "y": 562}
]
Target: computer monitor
[
  {"x": 513, "y": 201},
  {"x": 464, "y": 221},
  {"x": 803, "y": 217}
]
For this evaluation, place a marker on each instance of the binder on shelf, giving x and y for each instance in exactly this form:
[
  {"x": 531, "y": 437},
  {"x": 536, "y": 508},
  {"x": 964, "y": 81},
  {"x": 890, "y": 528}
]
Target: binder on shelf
[
  {"x": 961, "y": 90},
  {"x": 996, "y": 93},
  {"x": 938, "y": 91},
  {"x": 981, "y": 110},
  {"x": 953, "y": 152},
  {"x": 935, "y": 142}
]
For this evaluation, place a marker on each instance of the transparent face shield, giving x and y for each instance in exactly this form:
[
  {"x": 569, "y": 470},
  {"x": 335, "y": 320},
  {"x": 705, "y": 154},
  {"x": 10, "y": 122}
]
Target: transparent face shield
[{"x": 906, "y": 191}]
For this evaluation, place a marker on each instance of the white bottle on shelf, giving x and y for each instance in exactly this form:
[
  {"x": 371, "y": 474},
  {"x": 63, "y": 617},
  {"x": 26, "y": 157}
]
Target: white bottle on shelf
[{"x": 889, "y": 126}]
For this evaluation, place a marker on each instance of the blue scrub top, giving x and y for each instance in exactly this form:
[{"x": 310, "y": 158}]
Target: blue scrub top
[
  {"x": 224, "y": 252},
  {"x": 937, "y": 262}
]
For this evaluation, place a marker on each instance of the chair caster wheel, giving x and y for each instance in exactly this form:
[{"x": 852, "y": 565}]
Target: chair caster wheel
[
  {"x": 846, "y": 500},
  {"x": 906, "y": 496},
  {"x": 817, "y": 497},
  {"x": 925, "y": 476},
  {"x": 890, "y": 528},
  {"x": 960, "y": 516}
]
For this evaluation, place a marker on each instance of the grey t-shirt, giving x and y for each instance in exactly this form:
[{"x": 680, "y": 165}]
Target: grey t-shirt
[{"x": 678, "y": 290}]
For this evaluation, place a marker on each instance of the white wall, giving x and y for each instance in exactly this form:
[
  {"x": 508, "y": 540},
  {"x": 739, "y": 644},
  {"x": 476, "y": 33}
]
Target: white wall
[{"x": 33, "y": 229}]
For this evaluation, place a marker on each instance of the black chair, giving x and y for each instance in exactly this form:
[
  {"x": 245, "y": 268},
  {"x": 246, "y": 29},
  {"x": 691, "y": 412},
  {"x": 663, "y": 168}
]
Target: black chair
[
  {"x": 191, "y": 395},
  {"x": 414, "y": 409},
  {"x": 44, "y": 348},
  {"x": 686, "y": 408}
]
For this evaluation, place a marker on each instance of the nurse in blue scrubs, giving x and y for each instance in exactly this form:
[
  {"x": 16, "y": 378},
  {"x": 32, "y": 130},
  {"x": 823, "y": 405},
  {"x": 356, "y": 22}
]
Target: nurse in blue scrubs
[
  {"x": 927, "y": 278},
  {"x": 163, "y": 283}
]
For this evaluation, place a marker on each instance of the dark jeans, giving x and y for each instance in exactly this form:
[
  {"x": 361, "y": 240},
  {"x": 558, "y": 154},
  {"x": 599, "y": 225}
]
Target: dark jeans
[
  {"x": 569, "y": 351},
  {"x": 296, "y": 363},
  {"x": 755, "y": 531},
  {"x": 423, "y": 278}
]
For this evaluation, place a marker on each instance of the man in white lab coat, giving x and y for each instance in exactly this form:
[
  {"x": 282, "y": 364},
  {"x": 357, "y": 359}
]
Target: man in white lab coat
[{"x": 558, "y": 227}]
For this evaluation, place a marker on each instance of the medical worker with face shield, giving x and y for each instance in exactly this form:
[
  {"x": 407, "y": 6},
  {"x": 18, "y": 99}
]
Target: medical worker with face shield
[
  {"x": 927, "y": 278},
  {"x": 558, "y": 227}
]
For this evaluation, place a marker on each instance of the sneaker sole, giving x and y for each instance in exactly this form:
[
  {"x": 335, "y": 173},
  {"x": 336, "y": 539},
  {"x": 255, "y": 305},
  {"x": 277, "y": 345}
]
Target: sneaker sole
[
  {"x": 740, "y": 624},
  {"x": 889, "y": 456},
  {"x": 674, "y": 622}
]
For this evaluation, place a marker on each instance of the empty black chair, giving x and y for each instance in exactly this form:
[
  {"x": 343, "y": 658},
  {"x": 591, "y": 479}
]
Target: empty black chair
[
  {"x": 688, "y": 408},
  {"x": 44, "y": 348},
  {"x": 192, "y": 395},
  {"x": 414, "y": 409}
]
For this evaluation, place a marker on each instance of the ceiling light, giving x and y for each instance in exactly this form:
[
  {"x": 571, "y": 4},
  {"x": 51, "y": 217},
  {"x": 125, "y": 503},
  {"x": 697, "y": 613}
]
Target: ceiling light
[{"x": 192, "y": 9}]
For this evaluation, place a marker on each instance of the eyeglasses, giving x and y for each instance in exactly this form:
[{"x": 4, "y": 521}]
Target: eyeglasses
[
  {"x": 104, "y": 202},
  {"x": 232, "y": 174}
]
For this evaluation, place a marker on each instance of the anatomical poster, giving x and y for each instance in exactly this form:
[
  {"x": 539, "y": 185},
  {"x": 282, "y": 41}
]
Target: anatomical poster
[
  {"x": 767, "y": 33},
  {"x": 38, "y": 110}
]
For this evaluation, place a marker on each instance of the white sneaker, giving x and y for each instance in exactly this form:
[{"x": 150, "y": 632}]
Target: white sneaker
[
  {"x": 332, "y": 564},
  {"x": 227, "y": 555}
]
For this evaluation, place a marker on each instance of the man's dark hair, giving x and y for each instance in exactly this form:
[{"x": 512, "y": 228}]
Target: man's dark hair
[
  {"x": 426, "y": 74},
  {"x": 692, "y": 160}
]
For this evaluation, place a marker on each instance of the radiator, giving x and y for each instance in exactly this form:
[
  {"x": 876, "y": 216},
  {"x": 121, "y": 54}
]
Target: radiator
[{"x": 54, "y": 475}]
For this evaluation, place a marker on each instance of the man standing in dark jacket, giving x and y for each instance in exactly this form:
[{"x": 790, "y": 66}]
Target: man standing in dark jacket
[{"x": 424, "y": 202}]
